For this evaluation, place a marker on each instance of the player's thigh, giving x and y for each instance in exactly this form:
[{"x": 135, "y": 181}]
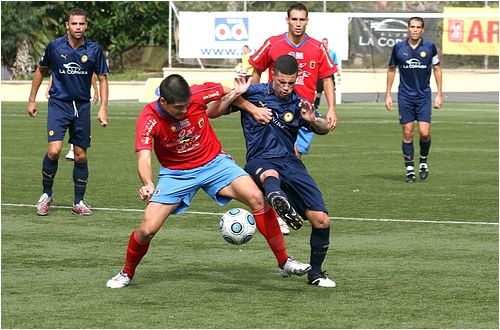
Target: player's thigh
[
  {"x": 154, "y": 217},
  {"x": 59, "y": 118},
  {"x": 80, "y": 128},
  {"x": 423, "y": 109},
  {"x": 244, "y": 190},
  {"x": 407, "y": 110}
]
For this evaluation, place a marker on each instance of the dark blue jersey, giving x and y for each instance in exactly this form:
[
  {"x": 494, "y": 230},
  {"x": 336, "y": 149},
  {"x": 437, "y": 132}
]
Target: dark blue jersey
[
  {"x": 277, "y": 138},
  {"x": 415, "y": 67},
  {"x": 72, "y": 69}
]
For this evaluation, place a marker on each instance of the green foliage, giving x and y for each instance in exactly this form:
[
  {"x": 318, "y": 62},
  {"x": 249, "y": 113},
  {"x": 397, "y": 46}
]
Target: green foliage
[
  {"x": 17, "y": 25},
  {"x": 391, "y": 273}
]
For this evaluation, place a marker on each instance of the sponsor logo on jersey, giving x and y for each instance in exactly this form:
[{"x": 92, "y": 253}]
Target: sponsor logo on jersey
[
  {"x": 297, "y": 55},
  {"x": 414, "y": 63},
  {"x": 211, "y": 95},
  {"x": 231, "y": 29},
  {"x": 72, "y": 68}
]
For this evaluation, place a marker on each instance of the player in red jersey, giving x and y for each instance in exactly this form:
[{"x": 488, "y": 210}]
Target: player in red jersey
[
  {"x": 177, "y": 127},
  {"x": 314, "y": 63}
]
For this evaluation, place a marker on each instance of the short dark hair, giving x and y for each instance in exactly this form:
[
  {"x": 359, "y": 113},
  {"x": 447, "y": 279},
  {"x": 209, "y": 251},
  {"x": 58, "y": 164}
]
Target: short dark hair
[
  {"x": 175, "y": 88},
  {"x": 286, "y": 64},
  {"x": 416, "y": 18},
  {"x": 77, "y": 12},
  {"x": 297, "y": 6}
]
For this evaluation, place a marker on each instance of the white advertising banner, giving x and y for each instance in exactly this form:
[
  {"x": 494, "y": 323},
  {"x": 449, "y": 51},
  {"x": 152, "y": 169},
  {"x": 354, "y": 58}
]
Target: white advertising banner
[{"x": 223, "y": 34}]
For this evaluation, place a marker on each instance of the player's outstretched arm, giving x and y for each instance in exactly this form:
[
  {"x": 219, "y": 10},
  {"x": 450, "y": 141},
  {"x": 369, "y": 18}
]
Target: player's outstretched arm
[{"x": 221, "y": 107}]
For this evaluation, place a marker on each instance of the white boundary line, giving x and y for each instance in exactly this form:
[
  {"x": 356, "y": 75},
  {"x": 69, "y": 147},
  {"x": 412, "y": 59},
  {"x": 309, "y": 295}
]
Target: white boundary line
[{"x": 443, "y": 222}]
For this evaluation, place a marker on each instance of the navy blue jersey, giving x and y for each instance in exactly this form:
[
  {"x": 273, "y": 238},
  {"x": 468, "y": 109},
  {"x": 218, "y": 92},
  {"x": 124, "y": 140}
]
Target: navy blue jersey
[
  {"x": 415, "y": 67},
  {"x": 72, "y": 69},
  {"x": 277, "y": 138}
]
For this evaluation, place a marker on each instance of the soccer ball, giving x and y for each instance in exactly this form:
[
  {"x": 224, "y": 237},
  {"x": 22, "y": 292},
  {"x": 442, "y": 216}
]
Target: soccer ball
[{"x": 237, "y": 226}]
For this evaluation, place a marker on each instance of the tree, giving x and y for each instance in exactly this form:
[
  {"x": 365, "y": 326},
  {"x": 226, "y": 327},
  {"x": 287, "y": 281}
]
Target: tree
[{"x": 21, "y": 42}]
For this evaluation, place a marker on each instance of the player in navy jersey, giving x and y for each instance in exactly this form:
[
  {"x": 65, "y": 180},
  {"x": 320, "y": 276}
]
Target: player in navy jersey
[
  {"x": 177, "y": 128},
  {"x": 416, "y": 58},
  {"x": 272, "y": 162},
  {"x": 72, "y": 60},
  {"x": 314, "y": 64}
]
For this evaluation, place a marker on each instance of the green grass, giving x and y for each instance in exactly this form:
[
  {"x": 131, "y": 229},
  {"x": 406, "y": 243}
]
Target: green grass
[{"x": 421, "y": 255}]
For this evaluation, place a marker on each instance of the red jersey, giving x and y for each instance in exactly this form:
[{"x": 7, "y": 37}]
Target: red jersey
[
  {"x": 314, "y": 61},
  {"x": 181, "y": 144}
]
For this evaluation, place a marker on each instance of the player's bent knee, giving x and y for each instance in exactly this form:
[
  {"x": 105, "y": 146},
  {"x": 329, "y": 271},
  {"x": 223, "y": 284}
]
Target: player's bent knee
[
  {"x": 319, "y": 220},
  {"x": 255, "y": 200}
]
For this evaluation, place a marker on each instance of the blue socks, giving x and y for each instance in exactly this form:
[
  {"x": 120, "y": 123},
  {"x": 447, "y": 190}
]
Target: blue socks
[{"x": 49, "y": 170}]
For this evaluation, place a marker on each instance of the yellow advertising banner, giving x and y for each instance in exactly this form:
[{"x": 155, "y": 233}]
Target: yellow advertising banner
[{"x": 470, "y": 35}]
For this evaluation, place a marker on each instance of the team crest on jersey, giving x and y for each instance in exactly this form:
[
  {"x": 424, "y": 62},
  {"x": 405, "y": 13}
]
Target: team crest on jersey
[
  {"x": 312, "y": 64},
  {"x": 85, "y": 58},
  {"x": 288, "y": 116},
  {"x": 201, "y": 122},
  {"x": 423, "y": 54}
]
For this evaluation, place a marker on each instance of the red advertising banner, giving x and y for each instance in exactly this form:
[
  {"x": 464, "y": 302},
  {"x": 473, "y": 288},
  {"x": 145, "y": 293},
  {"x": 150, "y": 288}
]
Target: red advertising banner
[{"x": 469, "y": 35}]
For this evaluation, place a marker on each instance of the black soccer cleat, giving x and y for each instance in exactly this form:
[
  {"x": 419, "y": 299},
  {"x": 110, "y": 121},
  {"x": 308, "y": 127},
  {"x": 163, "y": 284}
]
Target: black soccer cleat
[
  {"x": 410, "y": 176},
  {"x": 424, "y": 171},
  {"x": 285, "y": 210}
]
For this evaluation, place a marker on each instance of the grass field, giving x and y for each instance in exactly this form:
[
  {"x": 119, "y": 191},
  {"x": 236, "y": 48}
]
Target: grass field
[{"x": 422, "y": 255}]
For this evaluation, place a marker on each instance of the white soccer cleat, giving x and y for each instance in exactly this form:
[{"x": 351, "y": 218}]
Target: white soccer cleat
[
  {"x": 70, "y": 155},
  {"x": 121, "y": 280},
  {"x": 81, "y": 209},
  {"x": 283, "y": 226},
  {"x": 321, "y": 280},
  {"x": 43, "y": 205},
  {"x": 294, "y": 267}
]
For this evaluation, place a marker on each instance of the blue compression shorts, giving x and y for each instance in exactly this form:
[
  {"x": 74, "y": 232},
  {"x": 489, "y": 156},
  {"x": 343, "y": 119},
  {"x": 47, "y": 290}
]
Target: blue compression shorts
[
  {"x": 176, "y": 186},
  {"x": 69, "y": 115},
  {"x": 299, "y": 186}
]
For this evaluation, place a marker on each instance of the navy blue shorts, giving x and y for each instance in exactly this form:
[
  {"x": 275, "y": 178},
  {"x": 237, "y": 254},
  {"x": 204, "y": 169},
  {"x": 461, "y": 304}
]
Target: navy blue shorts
[
  {"x": 69, "y": 115},
  {"x": 299, "y": 186},
  {"x": 411, "y": 109}
]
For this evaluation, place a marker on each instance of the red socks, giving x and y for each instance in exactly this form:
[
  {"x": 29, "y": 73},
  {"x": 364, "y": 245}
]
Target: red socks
[
  {"x": 267, "y": 223},
  {"x": 135, "y": 252}
]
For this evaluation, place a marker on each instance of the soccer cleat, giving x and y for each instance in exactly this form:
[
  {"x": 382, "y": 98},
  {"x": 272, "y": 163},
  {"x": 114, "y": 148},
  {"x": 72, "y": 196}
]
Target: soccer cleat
[
  {"x": 424, "y": 171},
  {"x": 121, "y": 280},
  {"x": 410, "y": 176},
  {"x": 293, "y": 267},
  {"x": 283, "y": 227},
  {"x": 81, "y": 209},
  {"x": 43, "y": 205},
  {"x": 321, "y": 280},
  {"x": 285, "y": 210},
  {"x": 70, "y": 155}
]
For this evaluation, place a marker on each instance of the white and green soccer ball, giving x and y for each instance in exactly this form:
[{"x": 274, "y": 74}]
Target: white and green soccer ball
[{"x": 237, "y": 226}]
